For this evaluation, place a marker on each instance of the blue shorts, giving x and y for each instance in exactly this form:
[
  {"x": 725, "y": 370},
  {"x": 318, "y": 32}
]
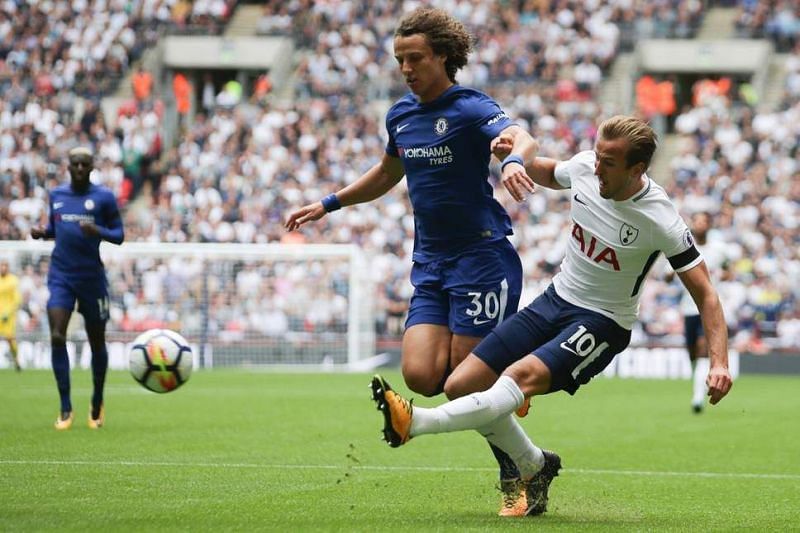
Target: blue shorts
[
  {"x": 470, "y": 293},
  {"x": 91, "y": 295},
  {"x": 692, "y": 329},
  {"x": 575, "y": 343}
]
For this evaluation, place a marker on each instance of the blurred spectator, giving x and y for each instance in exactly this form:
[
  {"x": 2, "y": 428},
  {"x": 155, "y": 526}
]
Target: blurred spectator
[
  {"x": 142, "y": 83},
  {"x": 778, "y": 20},
  {"x": 182, "y": 90}
]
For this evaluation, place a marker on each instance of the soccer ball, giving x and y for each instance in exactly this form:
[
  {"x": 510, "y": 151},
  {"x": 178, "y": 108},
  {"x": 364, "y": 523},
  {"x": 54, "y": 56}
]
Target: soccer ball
[{"x": 160, "y": 360}]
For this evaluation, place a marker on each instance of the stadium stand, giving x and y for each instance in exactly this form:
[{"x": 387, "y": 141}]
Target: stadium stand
[{"x": 236, "y": 169}]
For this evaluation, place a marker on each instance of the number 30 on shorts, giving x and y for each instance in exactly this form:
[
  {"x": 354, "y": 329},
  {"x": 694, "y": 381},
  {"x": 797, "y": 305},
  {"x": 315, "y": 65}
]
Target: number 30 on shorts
[
  {"x": 583, "y": 344},
  {"x": 490, "y": 304}
]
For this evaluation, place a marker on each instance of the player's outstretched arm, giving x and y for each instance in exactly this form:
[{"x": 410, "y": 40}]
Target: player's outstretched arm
[
  {"x": 541, "y": 170},
  {"x": 517, "y": 148},
  {"x": 373, "y": 184},
  {"x": 698, "y": 282}
]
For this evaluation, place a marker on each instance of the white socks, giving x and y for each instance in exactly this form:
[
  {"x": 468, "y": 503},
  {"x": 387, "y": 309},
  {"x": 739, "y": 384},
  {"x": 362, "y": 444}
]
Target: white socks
[
  {"x": 508, "y": 435},
  {"x": 699, "y": 389},
  {"x": 489, "y": 412},
  {"x": 469, "y": 412}
]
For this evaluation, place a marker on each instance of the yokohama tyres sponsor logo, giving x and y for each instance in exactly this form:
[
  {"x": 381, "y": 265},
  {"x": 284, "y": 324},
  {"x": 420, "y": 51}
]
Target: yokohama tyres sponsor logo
[
  {"x": 75, "y": 218},
  {"x": 414, "y": 152}
]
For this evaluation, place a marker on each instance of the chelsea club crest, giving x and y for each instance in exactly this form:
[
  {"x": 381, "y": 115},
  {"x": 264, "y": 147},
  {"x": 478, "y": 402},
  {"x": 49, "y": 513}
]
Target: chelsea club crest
[
  {"x": 440, "y": 126},
  {"x": 88, "y": 204}
]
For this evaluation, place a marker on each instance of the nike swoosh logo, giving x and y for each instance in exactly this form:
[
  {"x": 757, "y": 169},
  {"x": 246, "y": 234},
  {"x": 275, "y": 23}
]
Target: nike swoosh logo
[
  {"x": 567, "y": 348},
  {"x": 401, "y": 128},
  {"x": 479, "y": 322},
  {"x": 579, "y": 200},
  {"x": 57, "y": 205}
]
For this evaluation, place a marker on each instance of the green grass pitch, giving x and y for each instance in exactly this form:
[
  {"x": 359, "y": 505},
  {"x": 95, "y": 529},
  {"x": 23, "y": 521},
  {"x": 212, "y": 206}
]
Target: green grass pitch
[{"x": 236, "y": 450}]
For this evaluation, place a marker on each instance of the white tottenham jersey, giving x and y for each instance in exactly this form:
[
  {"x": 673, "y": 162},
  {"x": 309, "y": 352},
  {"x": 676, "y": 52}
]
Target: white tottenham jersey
[{"x": 614, "y": 244}]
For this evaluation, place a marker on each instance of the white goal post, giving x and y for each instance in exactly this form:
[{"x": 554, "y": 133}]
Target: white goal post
[{"x": 237, "y": 304}]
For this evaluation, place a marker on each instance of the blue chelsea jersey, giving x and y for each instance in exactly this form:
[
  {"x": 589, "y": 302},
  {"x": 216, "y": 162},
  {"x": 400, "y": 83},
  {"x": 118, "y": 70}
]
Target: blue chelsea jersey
[
  {"x": 77, "y": 256},
  {"x": 444, "y": 148}
]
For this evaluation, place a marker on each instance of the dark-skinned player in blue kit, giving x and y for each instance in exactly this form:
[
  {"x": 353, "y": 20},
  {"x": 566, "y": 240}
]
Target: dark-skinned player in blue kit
[
  {"x": 81, "y": 215},
  {"x": 467, "y": 276}
]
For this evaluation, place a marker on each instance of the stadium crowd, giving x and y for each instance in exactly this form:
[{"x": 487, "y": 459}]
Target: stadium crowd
[
  {"x": 777, "y": 20},
  {"x": 237, "y": 170}
]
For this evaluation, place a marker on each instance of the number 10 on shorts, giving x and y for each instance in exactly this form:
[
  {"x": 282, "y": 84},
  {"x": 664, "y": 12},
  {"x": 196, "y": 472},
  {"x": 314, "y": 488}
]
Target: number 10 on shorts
[{"x": 583, "y": 344}]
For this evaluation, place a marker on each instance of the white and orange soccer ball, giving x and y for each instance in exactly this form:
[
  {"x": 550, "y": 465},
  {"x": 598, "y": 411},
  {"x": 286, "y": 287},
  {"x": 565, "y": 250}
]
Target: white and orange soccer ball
[{"x": 160, "y": 360}]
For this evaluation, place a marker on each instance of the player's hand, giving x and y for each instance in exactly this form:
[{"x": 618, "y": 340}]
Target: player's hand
[
  {"x": 89, "y": 228},
  {"x": 307, "y": 213},
  {"x": 516, "y": 181},
  {"x": 38, "y": 233},
  {"x": 719, "y": 383},
  {"x": 501, "y": 146}
]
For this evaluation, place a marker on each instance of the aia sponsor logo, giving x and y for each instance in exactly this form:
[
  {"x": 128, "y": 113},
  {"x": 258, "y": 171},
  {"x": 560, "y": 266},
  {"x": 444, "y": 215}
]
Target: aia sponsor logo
[{"x": 594, "y": 249}]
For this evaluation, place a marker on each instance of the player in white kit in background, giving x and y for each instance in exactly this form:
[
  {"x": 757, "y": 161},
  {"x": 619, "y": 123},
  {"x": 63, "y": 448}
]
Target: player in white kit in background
[
  {"x": 715, "y": 256},
  {"x": 622, "y": 222}
]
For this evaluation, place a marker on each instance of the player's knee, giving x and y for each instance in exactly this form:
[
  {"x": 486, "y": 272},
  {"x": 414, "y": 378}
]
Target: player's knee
[
  {"x": 531, "y": 375},
  {"x": 467, "y": 381},
  {"x": 421, "y": 382},
  {"x": 58, "y": 339},
  {"x": 455, "y": 387}
]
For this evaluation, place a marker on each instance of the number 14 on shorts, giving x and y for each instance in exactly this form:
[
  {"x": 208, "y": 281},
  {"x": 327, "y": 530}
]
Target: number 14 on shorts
[{"x": 583, "y": 344}]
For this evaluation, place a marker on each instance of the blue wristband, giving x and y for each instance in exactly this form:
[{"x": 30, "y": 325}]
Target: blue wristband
[
  {"x": 511, "y": 159},
  {"x": 331, "y": 203}
]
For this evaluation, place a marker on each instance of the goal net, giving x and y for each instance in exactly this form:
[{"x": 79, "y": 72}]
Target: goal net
[{"x": 237, "y": 304}]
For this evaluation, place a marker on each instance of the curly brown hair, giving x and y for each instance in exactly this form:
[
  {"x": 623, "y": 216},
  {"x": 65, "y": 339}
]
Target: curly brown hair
[{"x": 445, "y": 35}]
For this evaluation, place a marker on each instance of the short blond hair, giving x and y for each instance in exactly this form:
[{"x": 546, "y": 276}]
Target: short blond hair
[
  {"x": 642, "y": 140},
  {"x": 80, "y": 151}
]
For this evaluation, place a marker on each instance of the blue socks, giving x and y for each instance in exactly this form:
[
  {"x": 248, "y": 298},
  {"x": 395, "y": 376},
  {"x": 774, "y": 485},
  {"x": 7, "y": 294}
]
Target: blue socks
[
  {"x": 60, "y": 361},
  {"x": 99, "y": 367}
]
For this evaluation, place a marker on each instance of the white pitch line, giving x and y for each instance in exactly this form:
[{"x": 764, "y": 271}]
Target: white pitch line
[{"x": 586, "y": 471}]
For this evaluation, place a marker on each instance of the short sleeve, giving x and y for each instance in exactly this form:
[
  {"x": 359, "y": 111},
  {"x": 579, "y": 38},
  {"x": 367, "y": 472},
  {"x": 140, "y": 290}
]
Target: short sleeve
[
  {"x": 677, "y": 242},
  {"x": 391, "y": 145},
  {"x": 492, "y": 119},
  {"x": 111, "y": 207},
  {"x": 562, "y": 174},
  {"x": 578, "y": 165}
]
